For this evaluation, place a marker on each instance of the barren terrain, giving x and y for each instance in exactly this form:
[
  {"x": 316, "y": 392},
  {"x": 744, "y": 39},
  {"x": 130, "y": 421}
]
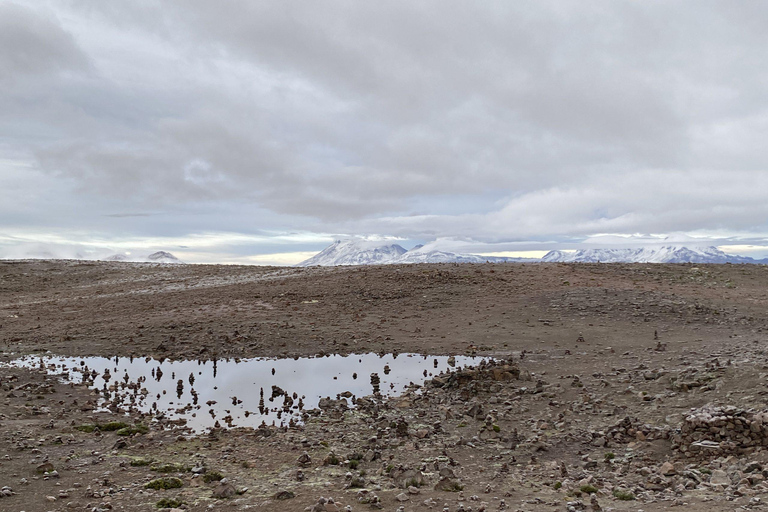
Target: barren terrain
[{"x": 587, "y": 404}]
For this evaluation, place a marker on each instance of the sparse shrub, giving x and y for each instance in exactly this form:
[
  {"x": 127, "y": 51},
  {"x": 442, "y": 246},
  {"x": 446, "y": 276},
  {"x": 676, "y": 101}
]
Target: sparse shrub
[
  {"x": 212, "y": 476},
  {"x": 609, "y": 456},
  {"x": 164, "y": 483},
  {"x": 413, "y": 482},
  {"x": 496, "y": 428},
  {"x": 558, "y": 485},
  {"x": 623, "y": 495},
  {"x": 133, "y": 429},
  {"x": 141, "y": 462},
  {"x": 169, "y": 503},
  {"x": 113, "y": 425},
  {"x": 357, "y": 483},
  {"x": 354, "y": 463},
  {"x": 170, "y": 468}
]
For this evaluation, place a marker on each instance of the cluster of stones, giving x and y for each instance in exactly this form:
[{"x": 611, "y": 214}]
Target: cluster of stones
[
  {"x": 487, "y": 370},
  {"x": 722, "y": 430},
  {"x": 631, "y": 429}
]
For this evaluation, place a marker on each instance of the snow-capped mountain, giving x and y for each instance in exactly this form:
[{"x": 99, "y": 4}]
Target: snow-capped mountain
[
  {"x": 658, "y": 254},
  {"x": 163, "y": 257},
  {"x": 363, "y": 252},
  {"x": 355, "y": 252},
  {"x": 155, "y": 257},
  {"x": 433, "y": 253}
]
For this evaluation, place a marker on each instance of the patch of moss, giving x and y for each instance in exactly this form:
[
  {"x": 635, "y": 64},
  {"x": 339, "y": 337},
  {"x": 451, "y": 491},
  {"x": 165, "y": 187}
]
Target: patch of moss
[
  {"x": 609, "y": 456},
  {"x": 138, "y": 462},
  {"x": 170, "y": 468},
  {"x": 413, "y": 482},
  {"x": 212, "y": 476},
  {"x": 623, "y": 495},
  {"x": 113, "y": 425},
  {"x": 86, "y": 428},
  {"x": 588, "y": 489},
  {"x": 558, "y": 485},
  {"x": 169, "y": 503},
  {"x": 133, "y": 429},
  {"x": 169, "y": 482},
  {"x": 496, "y": 428},
  {"x": 357, "y": 483}
]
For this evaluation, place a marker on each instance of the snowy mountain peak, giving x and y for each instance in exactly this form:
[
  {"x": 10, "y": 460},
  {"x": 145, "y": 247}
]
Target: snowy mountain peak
[
  {"x": 355, "y": 252},
  {"x": 658, "y": 254},
  {"x": 163, "y": 257}
]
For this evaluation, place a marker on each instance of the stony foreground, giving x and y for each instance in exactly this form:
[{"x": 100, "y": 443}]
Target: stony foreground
[{"x": 625, "y": 387}]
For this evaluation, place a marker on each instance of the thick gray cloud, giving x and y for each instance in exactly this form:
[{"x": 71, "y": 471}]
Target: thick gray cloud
[{"x": 495, "y": 121}]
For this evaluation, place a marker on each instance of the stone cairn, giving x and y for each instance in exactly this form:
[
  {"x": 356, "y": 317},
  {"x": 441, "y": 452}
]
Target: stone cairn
[{"x": 722, "y": 430}]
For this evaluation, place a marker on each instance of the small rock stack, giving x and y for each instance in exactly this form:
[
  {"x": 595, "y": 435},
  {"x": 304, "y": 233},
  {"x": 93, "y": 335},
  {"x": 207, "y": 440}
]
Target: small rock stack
[{"x": 722, "y": 430}]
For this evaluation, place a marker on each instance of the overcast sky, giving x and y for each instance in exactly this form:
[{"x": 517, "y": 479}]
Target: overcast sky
[{"x": 226, "y": 130}]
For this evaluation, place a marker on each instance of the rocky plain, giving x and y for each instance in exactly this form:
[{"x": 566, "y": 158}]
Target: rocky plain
[{"x": 620, "y": 387}]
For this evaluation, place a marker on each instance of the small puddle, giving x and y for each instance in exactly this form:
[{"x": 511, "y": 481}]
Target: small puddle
[{"x": 241, "y": 392}]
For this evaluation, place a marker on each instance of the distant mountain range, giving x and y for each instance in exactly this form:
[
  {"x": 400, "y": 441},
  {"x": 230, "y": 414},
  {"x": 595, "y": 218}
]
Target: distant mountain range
[
  {"x": 365, "y": 252},
  {"x": 47, "y": 254},
  {"x": 155, "y": 257},
  {"x": 662, "y": 254},
  {"x": 357, "y": 252}
]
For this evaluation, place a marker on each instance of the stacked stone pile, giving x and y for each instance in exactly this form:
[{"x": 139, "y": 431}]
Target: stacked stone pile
[
  {"x": 719, "y": 430},
  {"x": 487, "y": 370},
  {"x": 631, "y": 429}
]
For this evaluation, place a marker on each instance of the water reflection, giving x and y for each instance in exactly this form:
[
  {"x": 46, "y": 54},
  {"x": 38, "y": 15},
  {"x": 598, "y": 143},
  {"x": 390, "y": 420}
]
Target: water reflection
[{"x": 231, "y": 392}]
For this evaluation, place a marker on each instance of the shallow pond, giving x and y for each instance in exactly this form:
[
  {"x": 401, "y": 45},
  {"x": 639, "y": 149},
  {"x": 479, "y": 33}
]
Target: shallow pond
[{"x": 241, "y": 392}]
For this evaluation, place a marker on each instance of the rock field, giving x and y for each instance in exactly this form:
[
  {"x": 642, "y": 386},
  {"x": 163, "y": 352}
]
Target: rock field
[{"x": 620, "y": 387}]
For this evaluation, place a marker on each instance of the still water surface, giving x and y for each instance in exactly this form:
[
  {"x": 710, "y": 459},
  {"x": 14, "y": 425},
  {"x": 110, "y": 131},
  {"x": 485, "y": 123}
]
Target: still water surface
[{"x": 241, "y": 392}]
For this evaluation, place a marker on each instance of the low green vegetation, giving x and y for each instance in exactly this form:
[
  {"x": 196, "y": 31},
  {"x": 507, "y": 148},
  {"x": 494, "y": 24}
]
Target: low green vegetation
[
  {"x": 623, "y": 495},
  {"x": 169, "y": 503},
  {"x": 133, "y": 429},
  {"x": 212, "y": 476},
  {"x": 170, "y": 468},
  {"x": 113, "y": 425},
  {"x": 164, "y": 483}
]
